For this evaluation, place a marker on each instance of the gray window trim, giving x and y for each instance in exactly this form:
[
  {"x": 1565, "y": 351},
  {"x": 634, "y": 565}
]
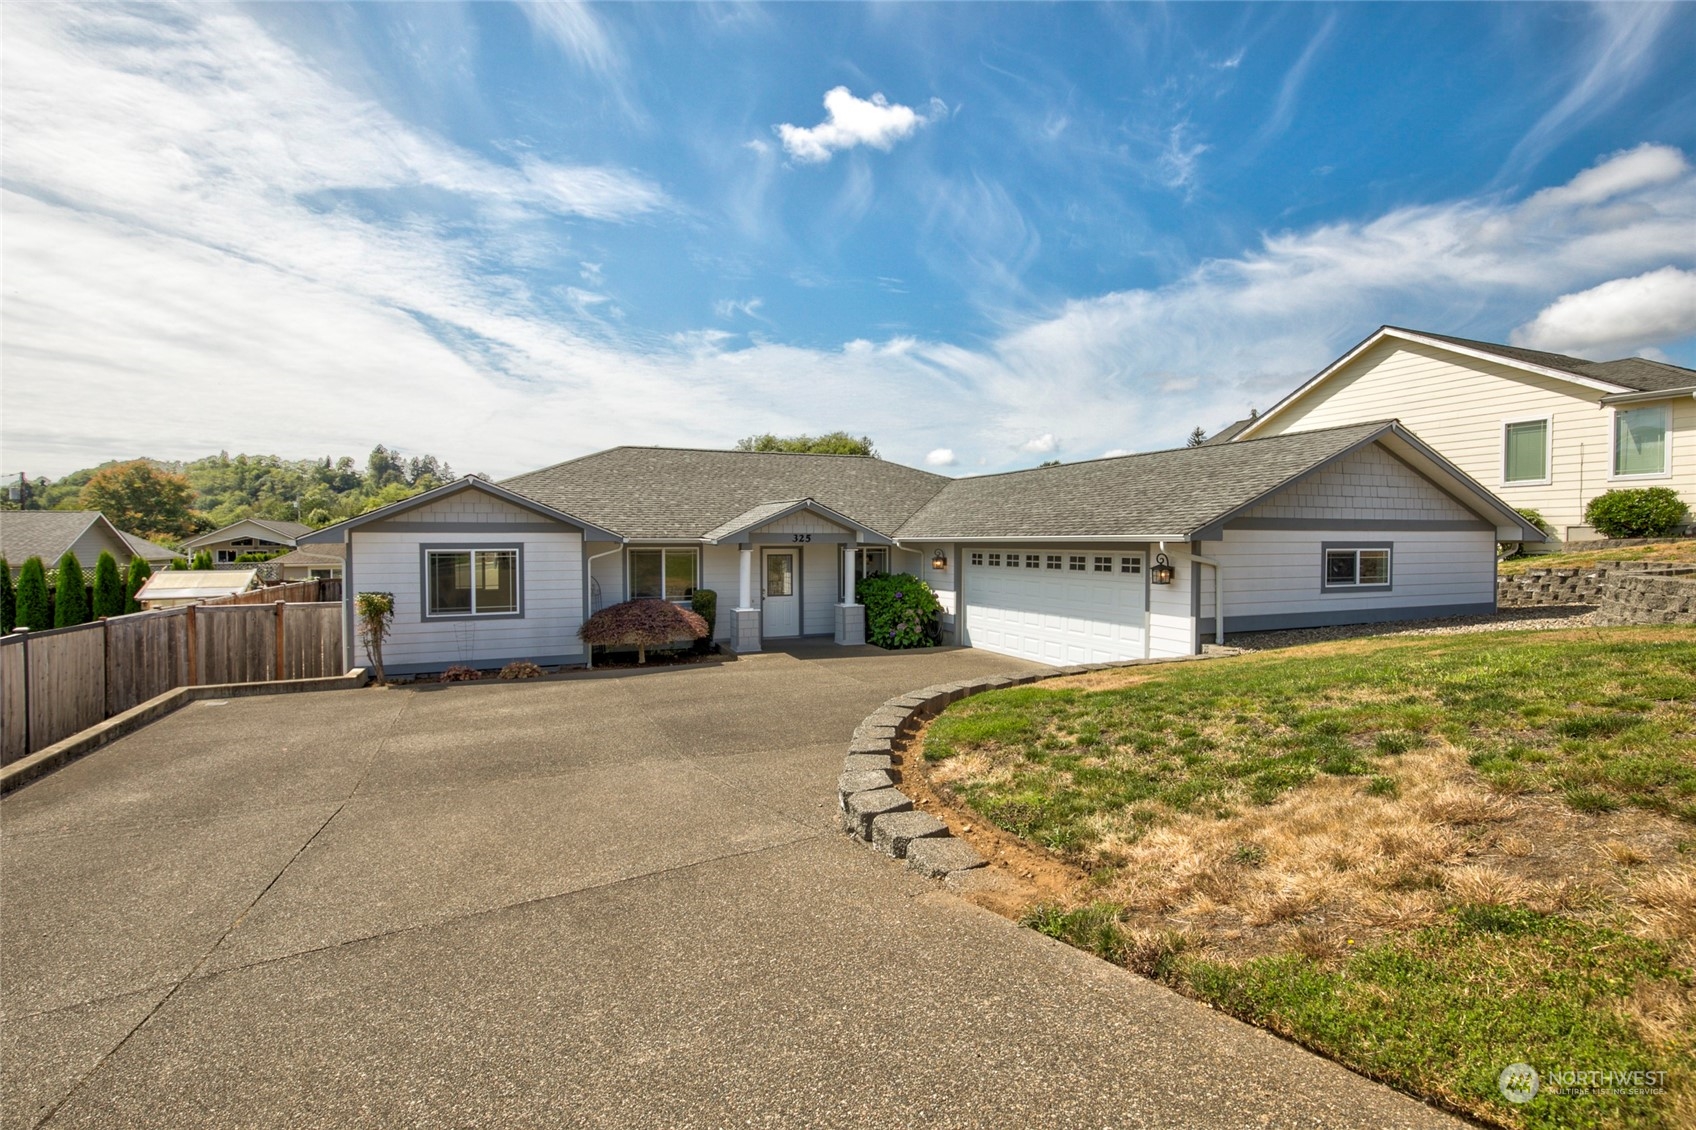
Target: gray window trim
[
  {"x": 1325, "y": 585},
  {"x": 427, "y": 548}
]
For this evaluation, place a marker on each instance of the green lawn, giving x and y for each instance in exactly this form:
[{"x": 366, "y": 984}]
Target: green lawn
[
  {"x": 1141, "y": 775},
  {"x": 1680, "y": 551}
]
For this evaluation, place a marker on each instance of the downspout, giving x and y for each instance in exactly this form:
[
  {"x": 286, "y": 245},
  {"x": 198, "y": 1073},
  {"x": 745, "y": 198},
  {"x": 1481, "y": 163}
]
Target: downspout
[
  {"x": 1218, "y": 593},
  {"x": 588, "y": 582}
]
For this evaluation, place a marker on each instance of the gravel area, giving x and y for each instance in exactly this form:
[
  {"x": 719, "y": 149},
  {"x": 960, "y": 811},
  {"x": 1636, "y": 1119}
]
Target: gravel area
[{"x": 1518, "y": 619}]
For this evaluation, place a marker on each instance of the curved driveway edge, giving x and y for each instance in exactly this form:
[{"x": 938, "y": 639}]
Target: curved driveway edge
[{"x": 874, "y": 810}]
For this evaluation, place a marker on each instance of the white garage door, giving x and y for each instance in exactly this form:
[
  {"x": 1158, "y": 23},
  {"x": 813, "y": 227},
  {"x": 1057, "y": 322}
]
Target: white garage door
[{"x": 1058, "y": 608}]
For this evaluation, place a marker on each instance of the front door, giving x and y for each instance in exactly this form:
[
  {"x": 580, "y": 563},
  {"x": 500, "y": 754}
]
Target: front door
[{"x": 780, "y": 603}]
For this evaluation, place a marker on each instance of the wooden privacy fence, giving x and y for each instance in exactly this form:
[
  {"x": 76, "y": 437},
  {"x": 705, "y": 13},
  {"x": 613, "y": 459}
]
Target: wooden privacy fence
[
  {"x": 325, "y": 589},
  {"x": 56, "y": 683}
]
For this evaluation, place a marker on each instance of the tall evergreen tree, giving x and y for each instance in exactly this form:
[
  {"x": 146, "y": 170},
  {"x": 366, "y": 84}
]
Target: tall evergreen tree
[
  {"x": 202, "y": 560},
  {"x": 8, "y": 599},
  {"x": 139, "y": 572},
  {"x": 108, "y": 587},
  {"x": 34, "y": 612},
  {"x": 70, "y": 593}
]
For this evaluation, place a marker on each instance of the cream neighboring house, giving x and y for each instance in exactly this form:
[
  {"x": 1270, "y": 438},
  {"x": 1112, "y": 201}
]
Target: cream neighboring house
[
  {"x": 1541, "y": 431},
  {"x": 47, "y": 534},
  {"x": 250, "y": 535}
]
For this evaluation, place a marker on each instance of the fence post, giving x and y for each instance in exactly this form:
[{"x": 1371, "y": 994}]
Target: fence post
[
  {"x": 29, "y": 727},
  {"x": 193, "y": 650},
  {"x": 106, "y": 650},
  {"x": 280, "y": 606}
]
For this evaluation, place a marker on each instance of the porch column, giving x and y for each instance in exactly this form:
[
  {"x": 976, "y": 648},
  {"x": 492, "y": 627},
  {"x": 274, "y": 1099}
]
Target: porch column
[
  {"x": 850, "y": 617},
  {"x": 746, "y": 636}
]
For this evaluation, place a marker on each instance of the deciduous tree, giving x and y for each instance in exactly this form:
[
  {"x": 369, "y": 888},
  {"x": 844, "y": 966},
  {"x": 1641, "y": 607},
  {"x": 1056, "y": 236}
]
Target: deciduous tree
[
  {"x": 138, "y": 497},
  {"x": 831, "y": 443}
]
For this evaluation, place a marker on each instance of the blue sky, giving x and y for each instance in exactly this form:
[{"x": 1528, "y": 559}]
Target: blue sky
[{"x": 983, "y": 235}]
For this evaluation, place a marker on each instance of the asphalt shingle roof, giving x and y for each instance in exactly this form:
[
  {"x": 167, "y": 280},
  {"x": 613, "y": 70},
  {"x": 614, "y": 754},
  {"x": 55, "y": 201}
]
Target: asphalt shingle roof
[
  {"x": 1637, "y": 373},
  {"x": 46, "y": 534},
  {"x": 1162, "y": 493},
  {"x": 147, "y": 550},
  {"x": 663, "y": 492}
]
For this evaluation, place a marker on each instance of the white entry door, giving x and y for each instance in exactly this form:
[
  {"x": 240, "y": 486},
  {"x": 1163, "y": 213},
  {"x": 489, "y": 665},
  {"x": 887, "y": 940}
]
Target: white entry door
[
  {"x": 780, "y": 600},
  {"x": 1059, "y": 608}
]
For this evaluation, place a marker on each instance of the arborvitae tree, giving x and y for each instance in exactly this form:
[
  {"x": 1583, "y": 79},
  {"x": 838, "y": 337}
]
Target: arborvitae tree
[
  {"x": 202, "y": 560},
  {"x": 8, "y": 599},
  {"x": 139, "y": 572},
  {"x": 180, "y": 564},
  {"x": 70, "y": 593},
  {"x": 108, "y": 587},
  {"x": 34, "y": 612}
]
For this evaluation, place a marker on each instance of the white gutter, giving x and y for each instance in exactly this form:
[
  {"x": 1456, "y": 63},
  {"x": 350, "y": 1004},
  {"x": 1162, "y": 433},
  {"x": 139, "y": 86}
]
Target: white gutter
[
  {"x": 1218, "y": 594},
  {"x": 588, "y": 578},
  {"x": 1651, "y": 394}
]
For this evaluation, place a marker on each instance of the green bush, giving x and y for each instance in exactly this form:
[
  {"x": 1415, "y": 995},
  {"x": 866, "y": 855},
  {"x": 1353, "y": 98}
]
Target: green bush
[
  {"x": 108, "y": 587},
  {"x": 705, "y": 604},
  {"x": 1535, "y": 517},
  {"x": 139, "y": 572},
  {"x": 901, "y": 610},
  {"x": 255, "y": 558},
  {"x": 202, "y": 560},
  {"x": 1647, "y": 512},
  {"x": 70, "y": 593},
  {"x": 34, "y": 610},
  {"x": 8, "y": 599}
]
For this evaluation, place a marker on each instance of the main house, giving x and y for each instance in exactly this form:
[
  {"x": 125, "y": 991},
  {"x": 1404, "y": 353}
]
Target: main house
[
  {"x": 1543, "y": 431},
  {"x": 1103, "y": 560}
]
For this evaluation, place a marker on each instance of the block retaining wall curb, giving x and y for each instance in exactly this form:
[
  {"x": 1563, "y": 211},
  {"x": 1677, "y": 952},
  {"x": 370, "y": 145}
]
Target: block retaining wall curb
[
  {"x": 62, "y": 753},
  {"x": 875, "y": 811}
]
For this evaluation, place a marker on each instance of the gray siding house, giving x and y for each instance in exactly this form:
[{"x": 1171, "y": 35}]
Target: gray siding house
[{"x": 1131, "y": 557}]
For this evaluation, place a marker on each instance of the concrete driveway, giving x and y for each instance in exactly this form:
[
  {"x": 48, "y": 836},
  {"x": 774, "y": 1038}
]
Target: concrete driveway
[{"x": 617, "y": 900}]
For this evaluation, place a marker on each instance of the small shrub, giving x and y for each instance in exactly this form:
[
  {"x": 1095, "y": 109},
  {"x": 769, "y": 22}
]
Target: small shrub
[
  {"x": 34, "y": 610},
  {"x": 1646, "y": 512},
  {"x": 70, "y": 593},
  {"x": 376, "y": 614},
  {"x": 255, "y": 558},
  {"x": 901, "y": 610},
  {"x": 521, "y": 669},
  {"x": 705, "y": 604},
  {"x": 203, "y": 560},
  {"x": 108, "y": 587},
  {"x": 1535, "y": 517},
  {"x": 642, "y": 624},
  {"x": 459, "y": 673}
]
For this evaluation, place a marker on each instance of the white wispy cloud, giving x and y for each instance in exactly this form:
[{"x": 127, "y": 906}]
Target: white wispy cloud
[
  {"x": 941, "y": 457},
  {"x": 851, "y": 121},
  {"x": 1041, "y": 445},
  {"x": 1621, "y": 314},
  {"x": 1177, "y": 161},
  {"x": 729, "y": 307}
]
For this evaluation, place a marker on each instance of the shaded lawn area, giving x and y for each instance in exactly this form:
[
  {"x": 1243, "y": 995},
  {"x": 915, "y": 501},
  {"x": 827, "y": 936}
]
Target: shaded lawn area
[
  {"x": 1680, "y": 551},
  {"x": 1310, "y": 840}
]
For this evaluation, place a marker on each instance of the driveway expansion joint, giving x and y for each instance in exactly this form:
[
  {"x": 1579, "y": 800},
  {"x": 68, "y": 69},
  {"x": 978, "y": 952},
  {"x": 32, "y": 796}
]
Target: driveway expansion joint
[{"x": 872, "y": 807}]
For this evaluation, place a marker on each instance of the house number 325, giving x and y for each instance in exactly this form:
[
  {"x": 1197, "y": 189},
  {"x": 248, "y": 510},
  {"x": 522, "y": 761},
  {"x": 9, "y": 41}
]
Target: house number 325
[{"x": 802, "y": 537}]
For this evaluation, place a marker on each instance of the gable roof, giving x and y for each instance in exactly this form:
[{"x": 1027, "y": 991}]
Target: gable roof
[
  {"x": 1168, "y": 495},
  {"x": 772, "y": 511},
  {"x": 289, "y": 532},
  {"x": 663, "y": 493},
  {"x": 147, "y": 550},
  {"x": 338, "y": 532},
  {"x": 327, "y": 553},
  {"x": 1626, "y": 375},
  {"x": 47, "y": 534}
]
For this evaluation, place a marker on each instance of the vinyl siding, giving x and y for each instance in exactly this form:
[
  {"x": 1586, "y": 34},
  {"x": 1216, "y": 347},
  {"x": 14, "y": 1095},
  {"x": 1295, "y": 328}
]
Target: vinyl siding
[
  {"x": 1459, "y": 404},
  {"x": 388, "y": 561},
  {"x": 1171, "y": 628},
  {"x": 93, "y": 542},
  {"x": 804, "y": 522},
  {"x": 721, "y": 571},
  {"x": 1371, "y": 483},
  {"x": 820, "y": 588},
  {"x": 465, "y": 506},
  {"x": 608, "y": 575}
]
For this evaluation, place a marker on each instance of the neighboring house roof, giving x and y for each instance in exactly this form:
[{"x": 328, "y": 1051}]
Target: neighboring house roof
[
  {"x": 47, "y": 534},
  {"x": 288, "y": 532},
  {"x": 1622, "y": 378},
  {"x": 148, "y": 551},
  {"x": 1168, "y": 495},
  {"x": 195, "y": 584},
  {"x": 319, "y": 556},
  {"x": 1229, "y": 432},
  {"x": 683, "y": 493},
  {"x": 338, "y": 532}
]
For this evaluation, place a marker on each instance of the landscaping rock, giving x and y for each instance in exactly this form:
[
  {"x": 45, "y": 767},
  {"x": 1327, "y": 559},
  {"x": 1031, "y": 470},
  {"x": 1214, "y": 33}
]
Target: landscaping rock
[
  {"x": 862, "y": 762},
  {"x": 894, "y": 831},
  {"x": 936, "y": 856},
  {"x": 869, "y": 730},
  {"x": 863, "y": 808},
  {"x": 869, "y": 746},
  {"x": 859, "y": 782}
]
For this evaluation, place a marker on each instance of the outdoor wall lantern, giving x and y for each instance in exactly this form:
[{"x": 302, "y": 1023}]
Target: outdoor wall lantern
[
  {"x": 1162, "y": 573},
  {"x": 939, "y": 562}
]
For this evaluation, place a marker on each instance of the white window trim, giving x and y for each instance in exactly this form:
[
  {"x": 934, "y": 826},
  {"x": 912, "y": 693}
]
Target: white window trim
[
  {"x": 662, "y": 550},
  {"x": 1613, "y": 445},
  {"x": 1326, "y": 585},
  {"x": 1548, "y": 422},
  {"x": 428, "y": 550}
]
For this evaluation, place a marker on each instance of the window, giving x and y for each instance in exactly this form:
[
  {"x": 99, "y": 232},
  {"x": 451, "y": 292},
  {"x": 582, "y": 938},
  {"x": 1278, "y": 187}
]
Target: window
[
  {"x": 1103, "y": 564},
  {"x": 995, "y": 559},
  {"x": 1355, "y": 567},
  {"x": 1525, "y": 451},
  {"x": 1640, "y": 441},
  {"x": 1130, "y": 564},
  {"x": 780, "y": 574},
  {"x": 1075, "y": 563},
  {"x": 471, "y": 582},
  {"x": 662, "y": 574},
  {"x": 226, "y": 556},
  {"x": 977, "y": 559},
  {"x": 869, "y": 562},
  {"x": 1012, "y": 561},
  {"x": 1033, "y": 560},
  {"x": 1054, "y": 561}
]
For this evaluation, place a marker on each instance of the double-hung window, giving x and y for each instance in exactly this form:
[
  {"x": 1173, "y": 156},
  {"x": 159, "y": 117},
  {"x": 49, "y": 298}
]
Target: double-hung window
[
  {"x": 1640, "y": 441},
  {"x": 1525, "y": 451},
  {"x": 471, "y": 582},
  {"x": 663, "y": 574},
  {"x": 1353, "y": 567}
]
